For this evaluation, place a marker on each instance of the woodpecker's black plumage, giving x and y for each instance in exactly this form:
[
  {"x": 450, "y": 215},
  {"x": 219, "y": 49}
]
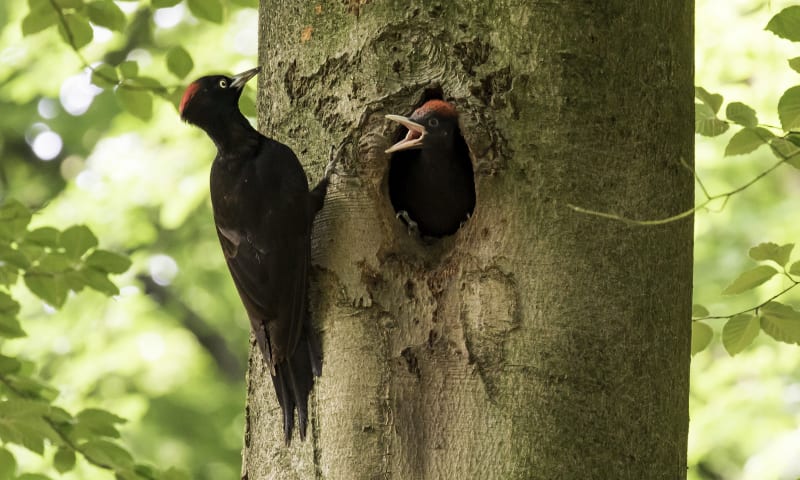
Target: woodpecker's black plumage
[
  {"x": 263, "y": 212},
  {"x": 431, "y": 181}
]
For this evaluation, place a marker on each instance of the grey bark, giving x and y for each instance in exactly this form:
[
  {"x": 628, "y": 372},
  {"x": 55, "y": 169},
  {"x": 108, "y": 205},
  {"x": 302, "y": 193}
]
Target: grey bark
[{"x": 537, "y": 342}]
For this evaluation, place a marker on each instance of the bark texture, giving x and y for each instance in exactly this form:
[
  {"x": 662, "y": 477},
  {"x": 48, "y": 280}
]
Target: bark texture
[{"x": 536, "y": 342}]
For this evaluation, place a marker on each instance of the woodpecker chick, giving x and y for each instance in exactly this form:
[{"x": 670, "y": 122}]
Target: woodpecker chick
[
  {"x": 263, "y": 212},
  {"x": 431, "y": 181}
]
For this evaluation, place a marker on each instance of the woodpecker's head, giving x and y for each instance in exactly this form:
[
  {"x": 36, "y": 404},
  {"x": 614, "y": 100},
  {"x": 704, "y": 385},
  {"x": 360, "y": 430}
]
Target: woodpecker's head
[
  {"x": 212, "y": 99},
  {"x": 435, "y": 122}
]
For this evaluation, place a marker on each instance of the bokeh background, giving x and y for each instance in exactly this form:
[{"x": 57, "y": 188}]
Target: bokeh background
[{"x": 169, "y": 352}]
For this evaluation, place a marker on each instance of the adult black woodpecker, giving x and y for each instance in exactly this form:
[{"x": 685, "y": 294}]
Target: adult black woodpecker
[
  {"x": 263, "y": 211},
  {"x": 431, "y": 181}
]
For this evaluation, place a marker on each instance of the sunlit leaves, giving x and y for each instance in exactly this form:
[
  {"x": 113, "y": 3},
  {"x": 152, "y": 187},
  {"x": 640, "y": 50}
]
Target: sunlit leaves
[
  {"x": 771, "y": 251},
  {"x": 109, "y": 262},
  {"x": 103, "y": 452},
  {"x": 747, "y": 140},
  {"x": 701, "y": 336},
  {"x": 794, "y": 64},
  {"x": 179, "y": 62},
  {"x": 9, "y": 325},
  {"x": 740, "y": 113},
  {"x": 789, "y": 108},
  {"x": 699, "y": 311},
  {"x": 128, "y": 69},
  {"x": 14, "y": 217},
  {"x": 706, "y": 122},
  {"x": 64, "y": 460},
  {"x": 713, "y": 100},
  {"x": 105, "y": 76},
  {"x": 786, "y": 24},
  {"x": 22, "y": 422},
  {"x": 138, "y": 103},
  {"x": 107, "y": 14},
  {"x": 210, "y": 10},
  {"x": 41, "y": 16},
  {"x": 8, "y": 464},
  {"x": 78, "y": 32},
  {"x": 781, "y": 322},
  {"x": 750, "y": 279},
  {"x": 739, "y": 332}
]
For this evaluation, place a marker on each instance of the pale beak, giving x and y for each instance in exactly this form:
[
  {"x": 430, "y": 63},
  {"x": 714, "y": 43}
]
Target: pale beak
[
  {"x": 414, "y": 137},
  {"x": 242, "y": 78}
]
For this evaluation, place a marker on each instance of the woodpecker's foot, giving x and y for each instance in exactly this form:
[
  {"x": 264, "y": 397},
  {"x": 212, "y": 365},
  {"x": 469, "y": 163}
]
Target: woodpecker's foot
[
  {"x": 332, "y": 161},
  {"x": 413, "y": 228}
]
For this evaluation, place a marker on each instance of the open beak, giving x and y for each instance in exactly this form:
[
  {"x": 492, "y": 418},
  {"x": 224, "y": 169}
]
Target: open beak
[
  {"x": 242, "y": 78},
  {"x": 416, "y": 133}
]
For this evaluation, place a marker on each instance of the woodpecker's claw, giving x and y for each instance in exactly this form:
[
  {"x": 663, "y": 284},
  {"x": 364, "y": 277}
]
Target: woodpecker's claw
[
  {"x": 332, "y": 161},
  {"x": 413, "y": 228}
]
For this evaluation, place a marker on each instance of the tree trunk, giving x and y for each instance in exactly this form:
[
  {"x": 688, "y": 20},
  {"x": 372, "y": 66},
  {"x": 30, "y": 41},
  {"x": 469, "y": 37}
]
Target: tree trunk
[{"x": 536, "y": 342}]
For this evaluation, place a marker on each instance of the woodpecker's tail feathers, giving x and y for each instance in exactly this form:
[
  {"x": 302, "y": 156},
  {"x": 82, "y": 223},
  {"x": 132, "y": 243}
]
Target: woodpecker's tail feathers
[{"x": 293, "y": 382}]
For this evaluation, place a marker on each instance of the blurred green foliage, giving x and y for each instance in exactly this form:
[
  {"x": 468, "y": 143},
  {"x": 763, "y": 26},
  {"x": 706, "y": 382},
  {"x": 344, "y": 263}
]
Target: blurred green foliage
[
  {"x": 89, "y": 136},
  {"x": 744, "y": 409}
]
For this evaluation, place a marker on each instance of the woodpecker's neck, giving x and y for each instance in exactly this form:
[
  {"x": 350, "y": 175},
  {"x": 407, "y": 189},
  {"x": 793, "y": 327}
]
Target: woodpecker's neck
[{"x": 233, "y": 137}]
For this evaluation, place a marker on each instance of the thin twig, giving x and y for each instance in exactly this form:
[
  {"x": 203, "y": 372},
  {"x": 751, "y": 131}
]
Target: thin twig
[
  {"x": 113, "y": 81},
  {"x": 709, "y": 198}
]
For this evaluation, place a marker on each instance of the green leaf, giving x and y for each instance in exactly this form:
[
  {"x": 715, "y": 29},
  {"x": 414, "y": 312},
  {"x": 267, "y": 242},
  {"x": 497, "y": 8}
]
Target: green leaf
[
  {"x": 138, "y": 103},
  {"x": 747, "y": 140},
  {"x": 59, "y": 415},
  {"x": 105, "y": 76},
  {"x": 30, "y": 388},
  {"x": 78, "y": 33},
  {"x": 107, "y": 453},
  {"x": 44, "y": 236},
  {"x": 50, "y": 287},
  {"x": 8, "y": 464},
  {"x": 99, "y": 281},
  {"x": 14, "y": 257},
  {"x": 699, "y": 311},
  {"x": 750, "y": 279},
  {"x": 22, "y": 423},
  {"x": 64, "y": 460},
  {"x": 53, "y": 263},
  {"x": 701, "y": 336},
  {"x": 77, "y": 240},
  {"x": 781, "y": 322},
  {"x": 179, "y": 62},
  {"x": 794, "y": 63},
  {"x": 738, "y": 112},
  {"x": 713, "y": 100},
  {"x": 9, "y": 365},
  {"x": 99, "y": 422},
  {"x": 14, "y": 217},
  {"x": 108, "y": 261},
  {"x": 785, "y": 148},
  {"x": 771, "y": 251},
  {"x": 786, "y": 23},
  {"x": 789, "y": 108},
  {"x": 794, "y": 269},
  {"x": 739, "y": 332},
  {"x": 164, "y": 3},
  {"x": 129, "y": 69},
  {"x": 210, "y": 10},
  {"x": 706, "y": 122},
  {"x": 9, "y": 325},
  {"x": 107, "y": 14},
  {"x": 38, "y": 20}
]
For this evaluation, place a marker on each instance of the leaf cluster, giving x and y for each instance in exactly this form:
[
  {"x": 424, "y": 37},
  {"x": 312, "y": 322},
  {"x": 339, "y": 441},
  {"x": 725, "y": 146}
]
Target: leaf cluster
[{"x": 52, "y": 264}]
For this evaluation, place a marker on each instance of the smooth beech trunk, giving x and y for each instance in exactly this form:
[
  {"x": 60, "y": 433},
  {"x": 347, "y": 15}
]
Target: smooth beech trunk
[{"x": 536, "y": 342}]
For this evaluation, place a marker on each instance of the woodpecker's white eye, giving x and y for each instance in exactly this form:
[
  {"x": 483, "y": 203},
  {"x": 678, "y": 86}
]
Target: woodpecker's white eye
[
  {"x": 433, "y": 122},
  {"x": 223, "y": 83}
]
